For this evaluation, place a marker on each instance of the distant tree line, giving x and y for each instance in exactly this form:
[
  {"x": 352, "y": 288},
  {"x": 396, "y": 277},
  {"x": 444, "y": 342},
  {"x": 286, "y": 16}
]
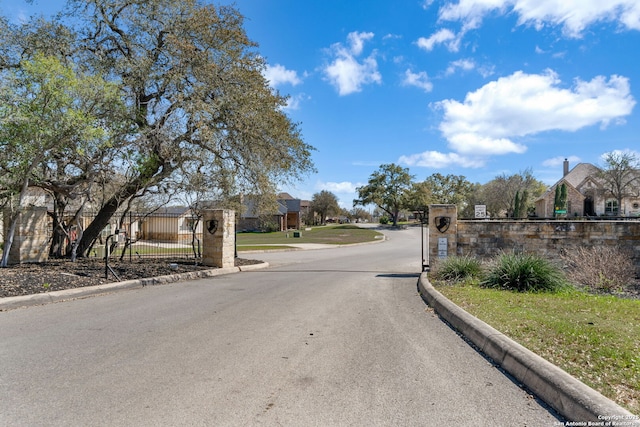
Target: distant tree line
[{"x": 393, "y": 190}]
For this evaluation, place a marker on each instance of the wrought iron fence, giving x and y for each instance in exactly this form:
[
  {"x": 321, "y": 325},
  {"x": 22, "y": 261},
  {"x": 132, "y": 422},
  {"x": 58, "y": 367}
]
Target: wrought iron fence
[{"x": 166, "y": 233}]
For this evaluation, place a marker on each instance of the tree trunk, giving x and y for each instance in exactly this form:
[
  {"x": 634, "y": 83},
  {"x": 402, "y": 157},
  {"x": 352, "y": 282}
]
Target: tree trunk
[
  {"x": 154, "y": 173},
  {"x": 97, "y": 225},
  {"x": 60, "y": 232}
]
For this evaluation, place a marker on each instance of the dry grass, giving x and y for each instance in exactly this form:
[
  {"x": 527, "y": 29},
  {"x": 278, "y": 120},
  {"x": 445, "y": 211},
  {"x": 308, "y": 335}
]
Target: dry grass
[{"x": 601, "y": 268}]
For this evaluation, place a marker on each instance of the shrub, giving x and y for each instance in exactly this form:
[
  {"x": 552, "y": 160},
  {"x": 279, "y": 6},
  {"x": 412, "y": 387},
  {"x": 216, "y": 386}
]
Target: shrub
[
  {"x": 458, "y": 268},
  {"x": 600, "y": 268},
  {"x": 268, "y": 225},
  {"x": 525, "y": 273},
  {"x": 384, "y": 220}
]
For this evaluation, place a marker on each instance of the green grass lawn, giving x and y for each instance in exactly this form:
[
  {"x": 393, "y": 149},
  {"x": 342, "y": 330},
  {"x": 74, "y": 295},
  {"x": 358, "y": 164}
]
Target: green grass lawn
[
  {"x": 334, "y": 235},
  {"x": 594, "y": 338}
]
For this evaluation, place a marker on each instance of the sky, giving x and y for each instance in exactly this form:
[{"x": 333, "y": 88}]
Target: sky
[{"x": 478, "y": 88}]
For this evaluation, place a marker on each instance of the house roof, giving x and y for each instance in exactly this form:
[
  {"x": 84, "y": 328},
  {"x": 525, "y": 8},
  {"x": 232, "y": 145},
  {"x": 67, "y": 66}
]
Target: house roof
[
  {"x": 170, "y": 210},
  {"x": 285, "y": 196},
  {"x": 292, "y": 205},
  {"x": 581, "y": 172},
  {"x": 252, "y": 209},
  {"x": 575, "y": 178}
]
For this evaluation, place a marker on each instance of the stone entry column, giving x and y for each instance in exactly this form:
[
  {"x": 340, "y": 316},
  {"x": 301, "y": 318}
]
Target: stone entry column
[
  {"x": 218, "y": 238},
  {"x": 31, "y": 238},
  {"x": 443, "y": 231}
]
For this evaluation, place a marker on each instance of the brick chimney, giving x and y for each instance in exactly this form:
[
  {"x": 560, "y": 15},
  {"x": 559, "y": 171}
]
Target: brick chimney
[{"x": 565, "y": 167}]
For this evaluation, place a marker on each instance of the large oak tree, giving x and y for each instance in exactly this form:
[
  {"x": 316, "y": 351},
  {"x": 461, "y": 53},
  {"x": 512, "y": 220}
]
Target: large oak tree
[
  {"x": 193, "y": 87},
  {"x": 387, "y": 189}
]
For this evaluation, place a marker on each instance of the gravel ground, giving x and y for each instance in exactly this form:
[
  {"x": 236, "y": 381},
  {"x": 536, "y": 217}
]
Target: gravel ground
[{"x": 27, "y": 279}]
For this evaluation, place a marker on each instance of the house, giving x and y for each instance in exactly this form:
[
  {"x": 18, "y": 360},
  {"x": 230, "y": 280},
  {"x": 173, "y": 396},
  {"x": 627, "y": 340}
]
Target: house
[
  {"x": 251, "y": 219},
  {"x": 293, "y": 219},
  {"x": 587, "y": 195},
  {"x": 169, "y": 224},
  {"x": 287, "y": 215}
]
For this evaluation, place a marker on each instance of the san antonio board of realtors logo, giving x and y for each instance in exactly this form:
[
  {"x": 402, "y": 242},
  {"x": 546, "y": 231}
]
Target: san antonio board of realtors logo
[{"x": 442, "y": 223}]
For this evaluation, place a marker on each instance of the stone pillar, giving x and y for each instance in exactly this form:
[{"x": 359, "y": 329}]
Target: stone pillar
[
  {"x": 31, "y": 238},
  {"x": 218, "y": 238},
  {"x": 443, "y": 231}
]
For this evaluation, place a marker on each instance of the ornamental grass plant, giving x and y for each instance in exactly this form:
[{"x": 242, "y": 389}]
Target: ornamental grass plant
[
  {"x": 525, "y": 273},
  {"x": 458, "y": 268}
]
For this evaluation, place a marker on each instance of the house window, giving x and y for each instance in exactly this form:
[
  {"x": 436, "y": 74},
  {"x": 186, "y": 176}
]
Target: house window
[{"x": 611, "y": 207}]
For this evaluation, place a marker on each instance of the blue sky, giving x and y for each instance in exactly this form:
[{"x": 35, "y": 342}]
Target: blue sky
[{"x": 466, "y": 87}]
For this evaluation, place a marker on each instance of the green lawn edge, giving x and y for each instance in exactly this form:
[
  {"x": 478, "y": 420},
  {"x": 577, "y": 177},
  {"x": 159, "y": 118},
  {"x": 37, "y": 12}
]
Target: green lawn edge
[{"x": 594, "y": 338}]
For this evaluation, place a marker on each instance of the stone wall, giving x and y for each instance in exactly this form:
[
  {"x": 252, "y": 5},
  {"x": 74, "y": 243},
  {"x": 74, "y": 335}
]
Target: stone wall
[{"x": 548, "y": 238}]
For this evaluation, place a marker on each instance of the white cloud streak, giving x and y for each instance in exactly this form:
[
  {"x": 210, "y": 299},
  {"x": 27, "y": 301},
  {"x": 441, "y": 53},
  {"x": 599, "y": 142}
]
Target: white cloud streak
[
  {"x": 574, "y": 16},
  {"x": 443, "y": 36},
  {"x": 344, "y": 187},
  {"x": 420, "y": 80},
  {"x": 559, "y": 160},
  {"x": 437, "y": 160},
  {"x": 461, "y": 64}
]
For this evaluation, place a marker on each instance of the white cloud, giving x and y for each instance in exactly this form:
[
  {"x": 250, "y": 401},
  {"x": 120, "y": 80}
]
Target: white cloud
[
  {"x": 293, "y": 102},
  {"x": 626, "y": 151},
  {"x": 427, "y": 3},
  {"x": 572, "y": 16},
  {"x": 346, "y": 73},
  {"x": 438, "y": 160},
  {"x": 420, "y": 80},
  {"x": 461, "y": 64},
  {"x": 559, "y": 160},
  {"x": 344, "y": 187},
  {"x": 494, "y": 119},
  {"x": 278, "y": 75},
  {"x": 443, "y": 36},
  {"x": 356, "y": 40},
  {"x": 488, "y": 120}
]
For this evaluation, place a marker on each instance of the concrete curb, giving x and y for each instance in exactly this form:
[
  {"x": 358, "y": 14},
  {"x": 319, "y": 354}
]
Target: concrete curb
[
  {"x": 573, "y": 399},
  {"x": 9, "y": 303}
]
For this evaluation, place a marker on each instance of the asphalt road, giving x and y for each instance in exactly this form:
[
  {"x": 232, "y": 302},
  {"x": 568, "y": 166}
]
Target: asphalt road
[{"x": 321, "y": 338}]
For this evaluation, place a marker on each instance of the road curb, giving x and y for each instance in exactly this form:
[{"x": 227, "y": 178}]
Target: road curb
[
  {"x": 9, "y": 303},
  {"x": 573, "y": 399}
]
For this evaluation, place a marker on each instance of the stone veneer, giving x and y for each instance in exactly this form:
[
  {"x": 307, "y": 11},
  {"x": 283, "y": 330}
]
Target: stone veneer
[
  {"x": 218, "y": 248},
  {"x": 31, "y": 238},
  {"x": 488, "y": 238}
]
